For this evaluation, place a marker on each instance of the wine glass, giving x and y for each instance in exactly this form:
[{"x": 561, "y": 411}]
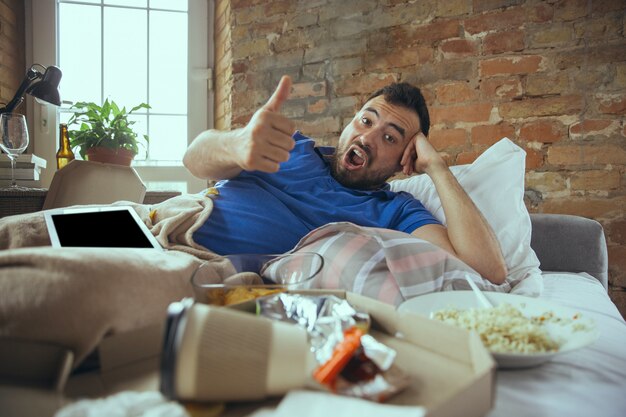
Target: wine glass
[{"x": 14, "y": 135}]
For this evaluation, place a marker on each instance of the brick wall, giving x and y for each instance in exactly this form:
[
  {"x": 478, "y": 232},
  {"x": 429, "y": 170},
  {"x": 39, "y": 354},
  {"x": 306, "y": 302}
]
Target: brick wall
[
  {"x": 550, "y": 75},
  {"x": 12, "y": 66}
]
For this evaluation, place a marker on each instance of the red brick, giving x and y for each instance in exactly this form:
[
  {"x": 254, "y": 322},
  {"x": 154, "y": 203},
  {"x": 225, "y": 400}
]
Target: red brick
[
  {"x": 319, "y": 106},
  {"x": 240, "y": 67},
  {"x": 319, "y": 126},
  {"x": 541, "y": 13},
  {"x": 587, "y": 127},
  {"x": 490, "y": 134},
  {"x": 604, "y": 6},
  {"x": 467, "y": 157},
  {"x": 511, "y": 65},
  {"x": 535, "y": 107},
  {"x": 362, "y": 84},
  {"x": 501, "y": 88},
  {"x": 616, "y": 231},
  {"x": 399, "y": 58},
  {"x": 552, "y": 36},
  {"x": 302, "y": 90},
  {"x": 545, "y": 182},
  {"x": 453, "y": 8},
  {"x": 510, "y": 41},
  {"x": 484, "y": 5},
  {"x": 595, "y": 180},
  {"x": 447, "y": 138},
  {"x": 570, "y": 9},
  {"x": 586, "y": 155},
  {"x": 456, "y": 92},
  {"x": 617, "y": 275},
  {"x": 592, "y": 208},
  {"x": 511, "y": 18},
  {"x": 478, "y": 112},
  {"x": 452, "y": 48},
  {"x": 541, "y": 84},
  {"x": 611, "y": 103},
  {"x": 543, "y": 131},
  {"x": 534, "y": 159},
  {"x": 241, "y": 4},
  {"x": 436, "y": 31},
  {"x": 582, "y": 56}
]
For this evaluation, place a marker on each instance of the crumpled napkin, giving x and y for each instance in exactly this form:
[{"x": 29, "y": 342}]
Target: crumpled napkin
[
  {"x": 321, "y": 404},
  {"x": 125, "y": 404}
]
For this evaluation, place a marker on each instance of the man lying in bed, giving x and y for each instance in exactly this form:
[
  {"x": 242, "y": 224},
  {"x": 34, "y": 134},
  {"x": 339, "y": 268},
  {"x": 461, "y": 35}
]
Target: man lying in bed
[{"x": 277, "y": 186}]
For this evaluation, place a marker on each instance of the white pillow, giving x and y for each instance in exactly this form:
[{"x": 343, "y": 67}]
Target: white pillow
[{"x": 495, "y": 182}]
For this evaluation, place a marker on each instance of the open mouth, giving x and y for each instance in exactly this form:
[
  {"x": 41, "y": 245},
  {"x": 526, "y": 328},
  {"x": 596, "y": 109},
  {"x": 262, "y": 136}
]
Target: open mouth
[{"x": 355, "y": 158}]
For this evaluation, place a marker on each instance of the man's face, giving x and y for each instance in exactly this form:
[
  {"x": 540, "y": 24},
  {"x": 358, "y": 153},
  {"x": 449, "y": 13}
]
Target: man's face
[{"x": 371, "y": 145}]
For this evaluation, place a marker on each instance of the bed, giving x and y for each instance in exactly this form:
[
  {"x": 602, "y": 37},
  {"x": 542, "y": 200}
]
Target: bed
[{"x": 558, "y": 258}]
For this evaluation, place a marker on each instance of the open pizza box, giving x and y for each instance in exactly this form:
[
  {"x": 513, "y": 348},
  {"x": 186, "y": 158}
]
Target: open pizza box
[
  {"x": 88, "y": 182},
  {"x": 453, "y": 374}
]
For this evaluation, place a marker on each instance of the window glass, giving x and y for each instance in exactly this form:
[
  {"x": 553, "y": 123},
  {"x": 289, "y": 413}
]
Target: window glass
[
  {"x": 80, "y": 56},
  {"x": 127, "y": 52},
  {"x": 141, "y": 128},
  {"x": 168, "y": 62},
  {"x": 180, "y": 5},
  {"x": 125, "y": 55},
  {"x": 135, "y": 3},
  {"x": 168, "y": 137}
]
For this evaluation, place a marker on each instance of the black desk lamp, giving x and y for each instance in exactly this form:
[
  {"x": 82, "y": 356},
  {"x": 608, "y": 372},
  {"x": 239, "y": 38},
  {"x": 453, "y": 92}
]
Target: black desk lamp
[{"x": 43, "y": 86}]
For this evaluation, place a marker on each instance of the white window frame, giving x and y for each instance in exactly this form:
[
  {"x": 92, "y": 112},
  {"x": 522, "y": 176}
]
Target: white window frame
[{"x": 41, "y": 48}]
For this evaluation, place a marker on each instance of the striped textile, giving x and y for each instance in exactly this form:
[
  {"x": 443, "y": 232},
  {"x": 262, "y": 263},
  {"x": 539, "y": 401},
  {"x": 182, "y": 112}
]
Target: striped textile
[{"x": 385, "y": 264}]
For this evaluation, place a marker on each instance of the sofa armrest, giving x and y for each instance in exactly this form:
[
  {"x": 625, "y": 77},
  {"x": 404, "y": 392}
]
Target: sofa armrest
[{"x": 567, "y": 243}]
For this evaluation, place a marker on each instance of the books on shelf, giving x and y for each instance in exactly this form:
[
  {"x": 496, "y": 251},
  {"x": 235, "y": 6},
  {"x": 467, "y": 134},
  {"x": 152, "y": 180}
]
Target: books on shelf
[
  {"x": 22, "y": 183},
  {"x": 27, "y": 167},
  {"x": 24, "y": 161},
  {"x": 20, "y": 173}
]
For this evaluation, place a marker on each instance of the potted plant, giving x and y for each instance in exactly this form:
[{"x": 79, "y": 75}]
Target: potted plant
[{"x": 105, "y": 134}]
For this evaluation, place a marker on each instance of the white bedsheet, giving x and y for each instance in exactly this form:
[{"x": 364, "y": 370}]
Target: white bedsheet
[{"x": 588, "y": 382}]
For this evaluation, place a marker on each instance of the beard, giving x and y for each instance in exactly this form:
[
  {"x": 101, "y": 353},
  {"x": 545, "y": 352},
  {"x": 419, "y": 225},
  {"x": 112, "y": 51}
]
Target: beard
[{"x": 364, "y": 178}]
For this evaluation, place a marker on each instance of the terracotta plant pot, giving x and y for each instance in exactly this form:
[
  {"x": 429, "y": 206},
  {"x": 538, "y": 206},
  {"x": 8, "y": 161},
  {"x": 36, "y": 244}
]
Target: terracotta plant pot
[{"x": 110, "y": 156}]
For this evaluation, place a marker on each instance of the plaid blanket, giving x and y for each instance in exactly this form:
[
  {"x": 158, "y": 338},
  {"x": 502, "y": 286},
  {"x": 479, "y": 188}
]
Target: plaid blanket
[{"x": 387, "y": 265}]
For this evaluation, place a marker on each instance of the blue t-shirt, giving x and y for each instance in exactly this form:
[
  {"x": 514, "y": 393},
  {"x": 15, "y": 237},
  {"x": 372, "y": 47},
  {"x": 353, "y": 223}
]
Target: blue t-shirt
[{"x": 259, "y": 212}]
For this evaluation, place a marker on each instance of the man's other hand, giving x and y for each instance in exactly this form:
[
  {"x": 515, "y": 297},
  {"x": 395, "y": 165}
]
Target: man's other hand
[
  {"x": 428, "y": 159},
  {"x": 266, "y": 140}
]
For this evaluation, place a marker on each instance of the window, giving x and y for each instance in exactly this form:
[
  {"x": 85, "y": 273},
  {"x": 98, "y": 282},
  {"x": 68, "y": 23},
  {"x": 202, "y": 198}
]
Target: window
[{"x": 132, "y": 51}]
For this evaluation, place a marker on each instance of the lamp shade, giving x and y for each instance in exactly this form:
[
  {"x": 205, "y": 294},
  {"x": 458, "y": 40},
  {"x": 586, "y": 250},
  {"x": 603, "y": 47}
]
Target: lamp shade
[{"x": 48, "y": 88}]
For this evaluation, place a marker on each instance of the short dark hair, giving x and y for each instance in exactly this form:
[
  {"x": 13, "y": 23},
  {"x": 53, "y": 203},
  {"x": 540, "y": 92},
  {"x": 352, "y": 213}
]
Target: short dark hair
[{"x": 409, "y": 96}]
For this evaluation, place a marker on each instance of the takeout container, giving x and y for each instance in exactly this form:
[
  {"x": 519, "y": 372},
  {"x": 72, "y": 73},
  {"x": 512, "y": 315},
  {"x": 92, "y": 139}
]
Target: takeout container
[{"x": 452, "y": 373}]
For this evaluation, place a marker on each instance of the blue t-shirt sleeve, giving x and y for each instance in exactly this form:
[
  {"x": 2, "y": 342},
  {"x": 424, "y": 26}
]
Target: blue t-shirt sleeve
[{"x": 412, "y": 214}]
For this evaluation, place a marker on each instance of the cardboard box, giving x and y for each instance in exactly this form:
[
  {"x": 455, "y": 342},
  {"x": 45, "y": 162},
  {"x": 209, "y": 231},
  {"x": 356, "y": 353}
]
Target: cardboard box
[
  {"x": 87, "y": 182},
  {"x": 453, "y": 373}
]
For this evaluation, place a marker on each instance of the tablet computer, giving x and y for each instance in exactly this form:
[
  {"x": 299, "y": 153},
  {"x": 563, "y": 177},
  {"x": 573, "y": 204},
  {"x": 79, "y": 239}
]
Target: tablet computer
[{"x": 99, "y": 227}]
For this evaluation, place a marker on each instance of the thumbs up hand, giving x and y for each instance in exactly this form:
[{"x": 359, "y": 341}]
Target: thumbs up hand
[{"x": 266, "y": 140}]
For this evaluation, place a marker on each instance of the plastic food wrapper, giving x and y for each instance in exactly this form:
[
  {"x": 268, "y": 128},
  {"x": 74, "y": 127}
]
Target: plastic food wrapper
[{"x": 349, "y": 361}]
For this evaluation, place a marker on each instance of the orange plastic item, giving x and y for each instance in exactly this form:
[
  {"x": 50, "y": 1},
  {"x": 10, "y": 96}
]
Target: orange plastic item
[{"x": 327, "y": 373}]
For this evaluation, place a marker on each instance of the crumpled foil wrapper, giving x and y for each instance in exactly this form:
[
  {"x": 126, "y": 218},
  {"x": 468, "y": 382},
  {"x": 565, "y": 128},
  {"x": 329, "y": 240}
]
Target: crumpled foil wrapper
[{"x": 370, "y": 373}]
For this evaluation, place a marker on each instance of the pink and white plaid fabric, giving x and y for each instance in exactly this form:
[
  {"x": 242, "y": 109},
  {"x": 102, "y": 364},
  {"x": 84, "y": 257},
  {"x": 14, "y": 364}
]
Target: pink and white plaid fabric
[{"x": 387, "y": 265}]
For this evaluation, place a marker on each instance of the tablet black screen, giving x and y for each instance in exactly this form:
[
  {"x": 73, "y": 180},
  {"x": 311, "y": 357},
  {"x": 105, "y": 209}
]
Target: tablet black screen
[{"x": 112, "y": 229}]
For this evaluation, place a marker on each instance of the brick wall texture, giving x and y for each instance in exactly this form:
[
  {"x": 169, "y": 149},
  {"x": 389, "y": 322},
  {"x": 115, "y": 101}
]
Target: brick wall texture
[
  {"x": 550, "y": 75},
  {"x": 12, "y": 66}
]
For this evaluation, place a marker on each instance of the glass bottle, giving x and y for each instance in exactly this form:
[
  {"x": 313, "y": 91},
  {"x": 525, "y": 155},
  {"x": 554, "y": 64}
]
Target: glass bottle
[{"x": 64, "y": 154}]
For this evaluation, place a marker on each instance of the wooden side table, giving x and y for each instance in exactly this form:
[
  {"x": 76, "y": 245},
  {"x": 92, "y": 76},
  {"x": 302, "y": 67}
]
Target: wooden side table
[{"x": 20, "y": 202}]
